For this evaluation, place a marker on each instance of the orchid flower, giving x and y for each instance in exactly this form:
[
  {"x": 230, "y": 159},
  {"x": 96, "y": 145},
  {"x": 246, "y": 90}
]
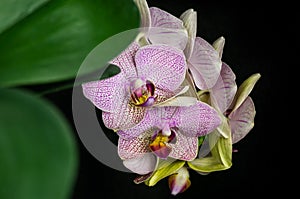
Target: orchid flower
[
  {"x": 149, "y": 76},
  {"x": 166, "y": 132},
  {"x": 160, "y": 27}
]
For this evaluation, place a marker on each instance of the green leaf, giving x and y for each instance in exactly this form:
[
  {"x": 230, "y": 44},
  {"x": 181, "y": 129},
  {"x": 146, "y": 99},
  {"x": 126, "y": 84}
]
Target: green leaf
[
  {"x": 244, "y": 90},
  {"x": 50, "y": 44},
  {"x": 165, "y": 168},
  {"x": 37, "y": 151},
  {"x": 12, "y": 11}
]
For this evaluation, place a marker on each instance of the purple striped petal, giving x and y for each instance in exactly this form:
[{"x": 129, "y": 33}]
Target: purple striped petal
[
  {"x": 166, "y": 29},
  {"x": 163, "y": 19},
  {"x": 136, "y": 147},
  {"x": 185, "y": 148},
  {"x": 126, "y": 116},
  {"x": 222, "y": 94},
  {"x": 106, "y": 94},
  {"x": 148, "y": 122},
  {"x": 204, "y": 64},
  {"x": 242, "y": 120},
  {"x": 125, "y": 61},
  {"x": 141, "y": 165},
  {"x": 164, "y": 66},
  {"x": 197, "y": 120}
]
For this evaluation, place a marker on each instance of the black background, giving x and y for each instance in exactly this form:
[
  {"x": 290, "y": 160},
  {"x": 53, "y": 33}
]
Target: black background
[{"x": 254, "y": 37}]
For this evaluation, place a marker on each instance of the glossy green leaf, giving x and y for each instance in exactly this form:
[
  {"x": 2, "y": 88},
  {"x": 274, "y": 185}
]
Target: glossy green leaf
[
  {"x": 51, "y": 43},
  {"x": 37, "y": 151},
  {"x": 165, "y": 168},
  {"x": 244, "y": 90},
  {"x": 12, "y": 11}
]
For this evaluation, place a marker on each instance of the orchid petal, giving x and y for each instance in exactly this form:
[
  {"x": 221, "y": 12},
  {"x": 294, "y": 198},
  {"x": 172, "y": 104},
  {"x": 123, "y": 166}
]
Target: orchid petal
[
  {"x": 172, "y": 37},
  {"x": 219, "y": 45},
  {"x": 163, "y": 19},
  {"x": 177, "y": 100},
  {"x": 165, "y": 66},
  {"x": 185, "y": 148},
  {"x": 148, "y": 122},
  {"x": 180, "y": 181},
  {"x": 125, "y": 61},
  {"x": 136, "y": 147},
  {"x": 165, "y": 168},
  {"x": 244, "y": 90},
  {"x": 125, "y": 116},
  {"x": 144, "y": 12},
  {"x": 106, "y": 94},
  {"x": 197, "y": 120},
  {"x": 141, "y": 165},
  {"x": 242, "y": 120},
  {"x": 223, "y": 92},
  {"x": 189, "y": 19},
  {"x": 166, "y": 29},
  {"x": 204, "y": 64}
]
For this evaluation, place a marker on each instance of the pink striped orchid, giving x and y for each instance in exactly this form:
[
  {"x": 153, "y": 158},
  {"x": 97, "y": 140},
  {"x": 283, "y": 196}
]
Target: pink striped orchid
[
  {"x": 166, "y": 132},
  {"x": 150, "y": 76}
]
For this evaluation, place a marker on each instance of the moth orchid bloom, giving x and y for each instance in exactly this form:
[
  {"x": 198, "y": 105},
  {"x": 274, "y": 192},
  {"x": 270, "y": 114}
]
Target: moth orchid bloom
[
  {"x": 166, "y": 132},
  {"x": 160, "y": 27},
  {"x": 179, "y": 182},
  {"x": 149, "y": 76}
]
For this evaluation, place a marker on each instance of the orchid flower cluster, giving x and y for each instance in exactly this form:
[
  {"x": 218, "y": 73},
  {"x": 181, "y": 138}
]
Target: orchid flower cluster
[{"x": 175, "y": 104}]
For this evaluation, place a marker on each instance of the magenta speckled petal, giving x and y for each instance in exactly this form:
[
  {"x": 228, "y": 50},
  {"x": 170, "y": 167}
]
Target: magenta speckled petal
[
  {"x": 136, "y": 147},
  {"x": 241, "y": 121},
  {"x": 126, "y": 116},
  {"x": 149, "y": 121},
  {"x": 163, "y": 65},
  {"x": 204, "y": 64},
  {"x": 197, "y": 120},
  {"x": 185, "y": 148},
  {"x": 125, "y": 61},
  {"x": 106, "y": 94},
  {"x": 223, "y": 92}
]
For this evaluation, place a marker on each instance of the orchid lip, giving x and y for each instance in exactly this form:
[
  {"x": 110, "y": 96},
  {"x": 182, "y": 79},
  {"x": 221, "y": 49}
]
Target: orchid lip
[
  {"x": 142, "y": 93},
  {"x": 160, "y": 145}
]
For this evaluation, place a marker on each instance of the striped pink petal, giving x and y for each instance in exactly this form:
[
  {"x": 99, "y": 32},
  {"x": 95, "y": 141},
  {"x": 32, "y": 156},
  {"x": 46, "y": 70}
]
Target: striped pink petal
[
  {"x": 125, "y": 61},
  {"x": 242, "y": 120},
  {"x": 197, "y": 120},
  {"x": 165, "y": 66},
  {"x": 136, "y": 147},
  {"x": 185, "y": 148},
  {"x": 106, "y": 94},
  {"x": 223, "y": 92},
  {"x": 148, "y": 122},
  {"x": 204, "y": 64},
  {"x": 166, "y": 29},
  {"x": 125, "y": 116}
]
